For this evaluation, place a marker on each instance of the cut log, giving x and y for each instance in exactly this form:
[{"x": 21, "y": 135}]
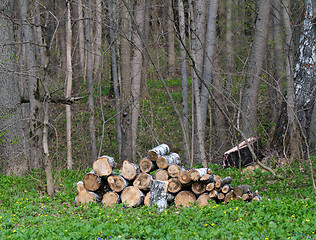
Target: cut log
[
  {"x": 213, "y": 194},
  {"x": 210, "y": 187},
  {"x": 161, "y": 175},
  {"x": 147, "y": 166},
  {"x": 92, "y": 181},
  {"x": 184, "y": 177},
  {"x": 203, "y": 200},
  {"x": 198, "y": 187},
  {"x": 110, "y": 199},
  {"x": 222, "y": 182},
  {"x": 247, "y": 197},
  {"x": 207, "y": 178},
  {"x": 132, "y": 196},
  {"x": 184, "y": 199},
  {"x": 170, "y": 198},
  {"x": 158, "y": 194},
  {"x": 158, "y": 151},
  {"x": 217, "y": 178},
  {"x": 174, "y": 185},
  {"x": 229, "y": 196},
  {"x": 164, "y": 161},
  {"x": 220, "y": 196},
  {"x": 129, "y": 170},
  {"x": 226, "y": 188},
  {"x": 104, "y": 165},
  {"x": 242, "y": 189},
  {"x": 147, "y": 199},
  {"x": 174, "y": 170},
  {"x": 197, "y": 173},
  {"x": 117, "y": 183},
  {"x": 143, "y": 181},
  {"x": 85, "y": 196}
]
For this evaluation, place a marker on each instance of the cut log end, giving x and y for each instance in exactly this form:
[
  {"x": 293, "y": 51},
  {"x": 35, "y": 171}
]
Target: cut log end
[
  {"x": 198, "y": 187},
  {"x": 117, "y": 183},
  {"x": 174, "y": 170},
  {"x": 184, "y": 199},
  {"x": 91, "y": 181},
  {"x": 143, "y": 181},
  {"x": 110, "y": 199},
  {"x": 146, "y": 165},
  {"x": 161, "y": 175},
  {"x": 129, "y": 170},
  {"x": 203, "y": 200},
  {"x": 103, "y": 166},
  {"x": 174, "y": 185},
  {"x": 132, "y": 196},
  {"x": 162, "y": 162},
  {"x": 184, "y": 177}
]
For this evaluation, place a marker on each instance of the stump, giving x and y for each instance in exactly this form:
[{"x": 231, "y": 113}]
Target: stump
[
  {"x": 164, "y": 161},
  {"x": 184, "y": 199},
  {"x": 132, "y": 196},
  {"x": 110, "y": 199},
  {"x": 174, "y": 170},
  {"x": 117, "y": 183},
  {"x": 197, "y": 173},
  {"x": 104, "y": 165},
  {"x": 129, "y": 170},
  {"x": 184, "y": 177},
  {"x": 158, "y": 151},
  {"x": 92, "y": 181},
  {"x": 203, "y": 200},
  {"x": 143, "y": 181},
  {"x": 158, "y": 194},
  {"x": 146, "y": 165},
  {"x": 161, "y": 175},
  {"x": 174, "y": 185}
]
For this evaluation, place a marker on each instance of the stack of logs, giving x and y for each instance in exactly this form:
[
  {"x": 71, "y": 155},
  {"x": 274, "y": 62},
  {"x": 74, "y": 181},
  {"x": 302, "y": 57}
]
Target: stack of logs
[{"x": 158, "y": 179}]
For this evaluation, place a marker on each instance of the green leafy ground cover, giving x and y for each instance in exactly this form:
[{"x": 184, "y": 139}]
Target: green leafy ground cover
[{"x": 26, "y": 212}]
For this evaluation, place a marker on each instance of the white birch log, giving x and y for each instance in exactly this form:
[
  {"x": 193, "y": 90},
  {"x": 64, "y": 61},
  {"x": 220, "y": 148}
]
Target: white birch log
[
  {"x": 164, "y": 161},
  {"x": 146, "y": 165},
  {"x": 104, "y": 165},
  {"x": 132, "y": 196},
  {"x": 161, "y": 175},
  {"x": 174, "y": 170},
  {"x": 197, "y": 173},
  {"x": 118, "y": 183},
  {"x": 143, "y": 181},
  {"x": 158, "y": 195},
  {"x": 91, "y": 181},
  {"x": 158, "y": 151}
]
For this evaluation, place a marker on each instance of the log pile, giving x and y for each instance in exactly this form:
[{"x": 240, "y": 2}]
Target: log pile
[{"x": 158, "y": 180}]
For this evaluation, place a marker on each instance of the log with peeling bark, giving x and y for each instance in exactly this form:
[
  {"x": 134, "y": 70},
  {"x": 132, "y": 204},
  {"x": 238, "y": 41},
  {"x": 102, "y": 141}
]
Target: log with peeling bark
[
  {"x": 198, "y": 187},
  {"x": 174, "y": 170},
  {"x": 146, "y": 165},
  {"x": 132, "y": 196},
  {"x": 210, "y": 187},
  {"x": 184, "y": 199},
  {"x": 129, "y": 170},
  {"x": 161, "y": 175},
  {"x": 242, "y": 189},
  {"x": 143, "y": 181},
  {"x": 85, "y": 196},
  {"x": 226, "y": 188},
  {"x": 104, "y": 165},
  {"x": 158, "y": 151},
  {"x": 208, "y": 178},
  {"x": 92, "y": 181},
  {"x": 229, "y": 196},
  {"x": 213, "y": 194},
  {"x": 118, "y": 183},
  {"x": 174, "y": 185},
  {"x": 184, "y": 177},
  {"x": 110, "y": 199},
  {"x": 164, "y": 161},
  {"x": 222, "y": 182},
  {"x": 158, "y": 194},
  {"x": 197, "y": 173},
  {"x": 203, "y": 200}
]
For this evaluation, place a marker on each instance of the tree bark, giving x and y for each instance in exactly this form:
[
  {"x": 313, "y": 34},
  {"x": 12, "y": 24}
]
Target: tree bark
[
  {"x": 158, "y": 151},
  {"x": 254, "y": 69},
  {"x": 229, "y": 48},
  {"x": 90, "y": 86},
  {"x": 170, "y": 43},
  {"x": 12, "y": 156}
]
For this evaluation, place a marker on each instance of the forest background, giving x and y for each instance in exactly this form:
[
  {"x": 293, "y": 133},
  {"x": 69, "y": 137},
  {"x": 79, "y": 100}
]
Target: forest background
[{"x": 84, "y": 78}]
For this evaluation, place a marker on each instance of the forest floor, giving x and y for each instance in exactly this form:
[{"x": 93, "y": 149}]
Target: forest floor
[{"x": 286, "y": 211}]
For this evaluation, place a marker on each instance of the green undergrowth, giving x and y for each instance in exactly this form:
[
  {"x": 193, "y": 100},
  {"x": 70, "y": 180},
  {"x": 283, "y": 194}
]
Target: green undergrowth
[{"x": 26, "y": 212}]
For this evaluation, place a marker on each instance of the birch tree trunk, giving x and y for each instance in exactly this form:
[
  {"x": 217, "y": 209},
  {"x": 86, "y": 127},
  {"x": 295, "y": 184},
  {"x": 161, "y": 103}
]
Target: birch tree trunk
[
  {"x": 68, "y": 84},
  {"x": 184, "y": 77},
  {"x": 98, "y": 37},
  {"x": 90, "y": 85},
  {"x": 11, "y": 131},
  {"x": 254, "y": 69},
  {"x": 112, "y": 10},
  {"x": 35, "y": 132}
]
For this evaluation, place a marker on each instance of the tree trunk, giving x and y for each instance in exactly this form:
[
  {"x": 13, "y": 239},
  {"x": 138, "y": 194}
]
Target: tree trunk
[
  {"x": 170, "y": 43},
  {"x": 33, "y": 87},
  {"x": 12, "y": 157},
  {"x": 114, "y": 71},
  {"x": 196, "y": 174},
  {"x": 254, "y": 69},
  {"x": 229, "y": 48},
  {"x": 184, "y": 77},
  {"x": 90, "y": 85},
  {"x": 68, "y": 85}
]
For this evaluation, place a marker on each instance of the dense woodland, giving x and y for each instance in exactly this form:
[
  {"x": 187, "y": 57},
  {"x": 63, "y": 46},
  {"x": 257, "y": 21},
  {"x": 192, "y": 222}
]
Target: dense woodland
[{"x": 84, "y": 78}]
